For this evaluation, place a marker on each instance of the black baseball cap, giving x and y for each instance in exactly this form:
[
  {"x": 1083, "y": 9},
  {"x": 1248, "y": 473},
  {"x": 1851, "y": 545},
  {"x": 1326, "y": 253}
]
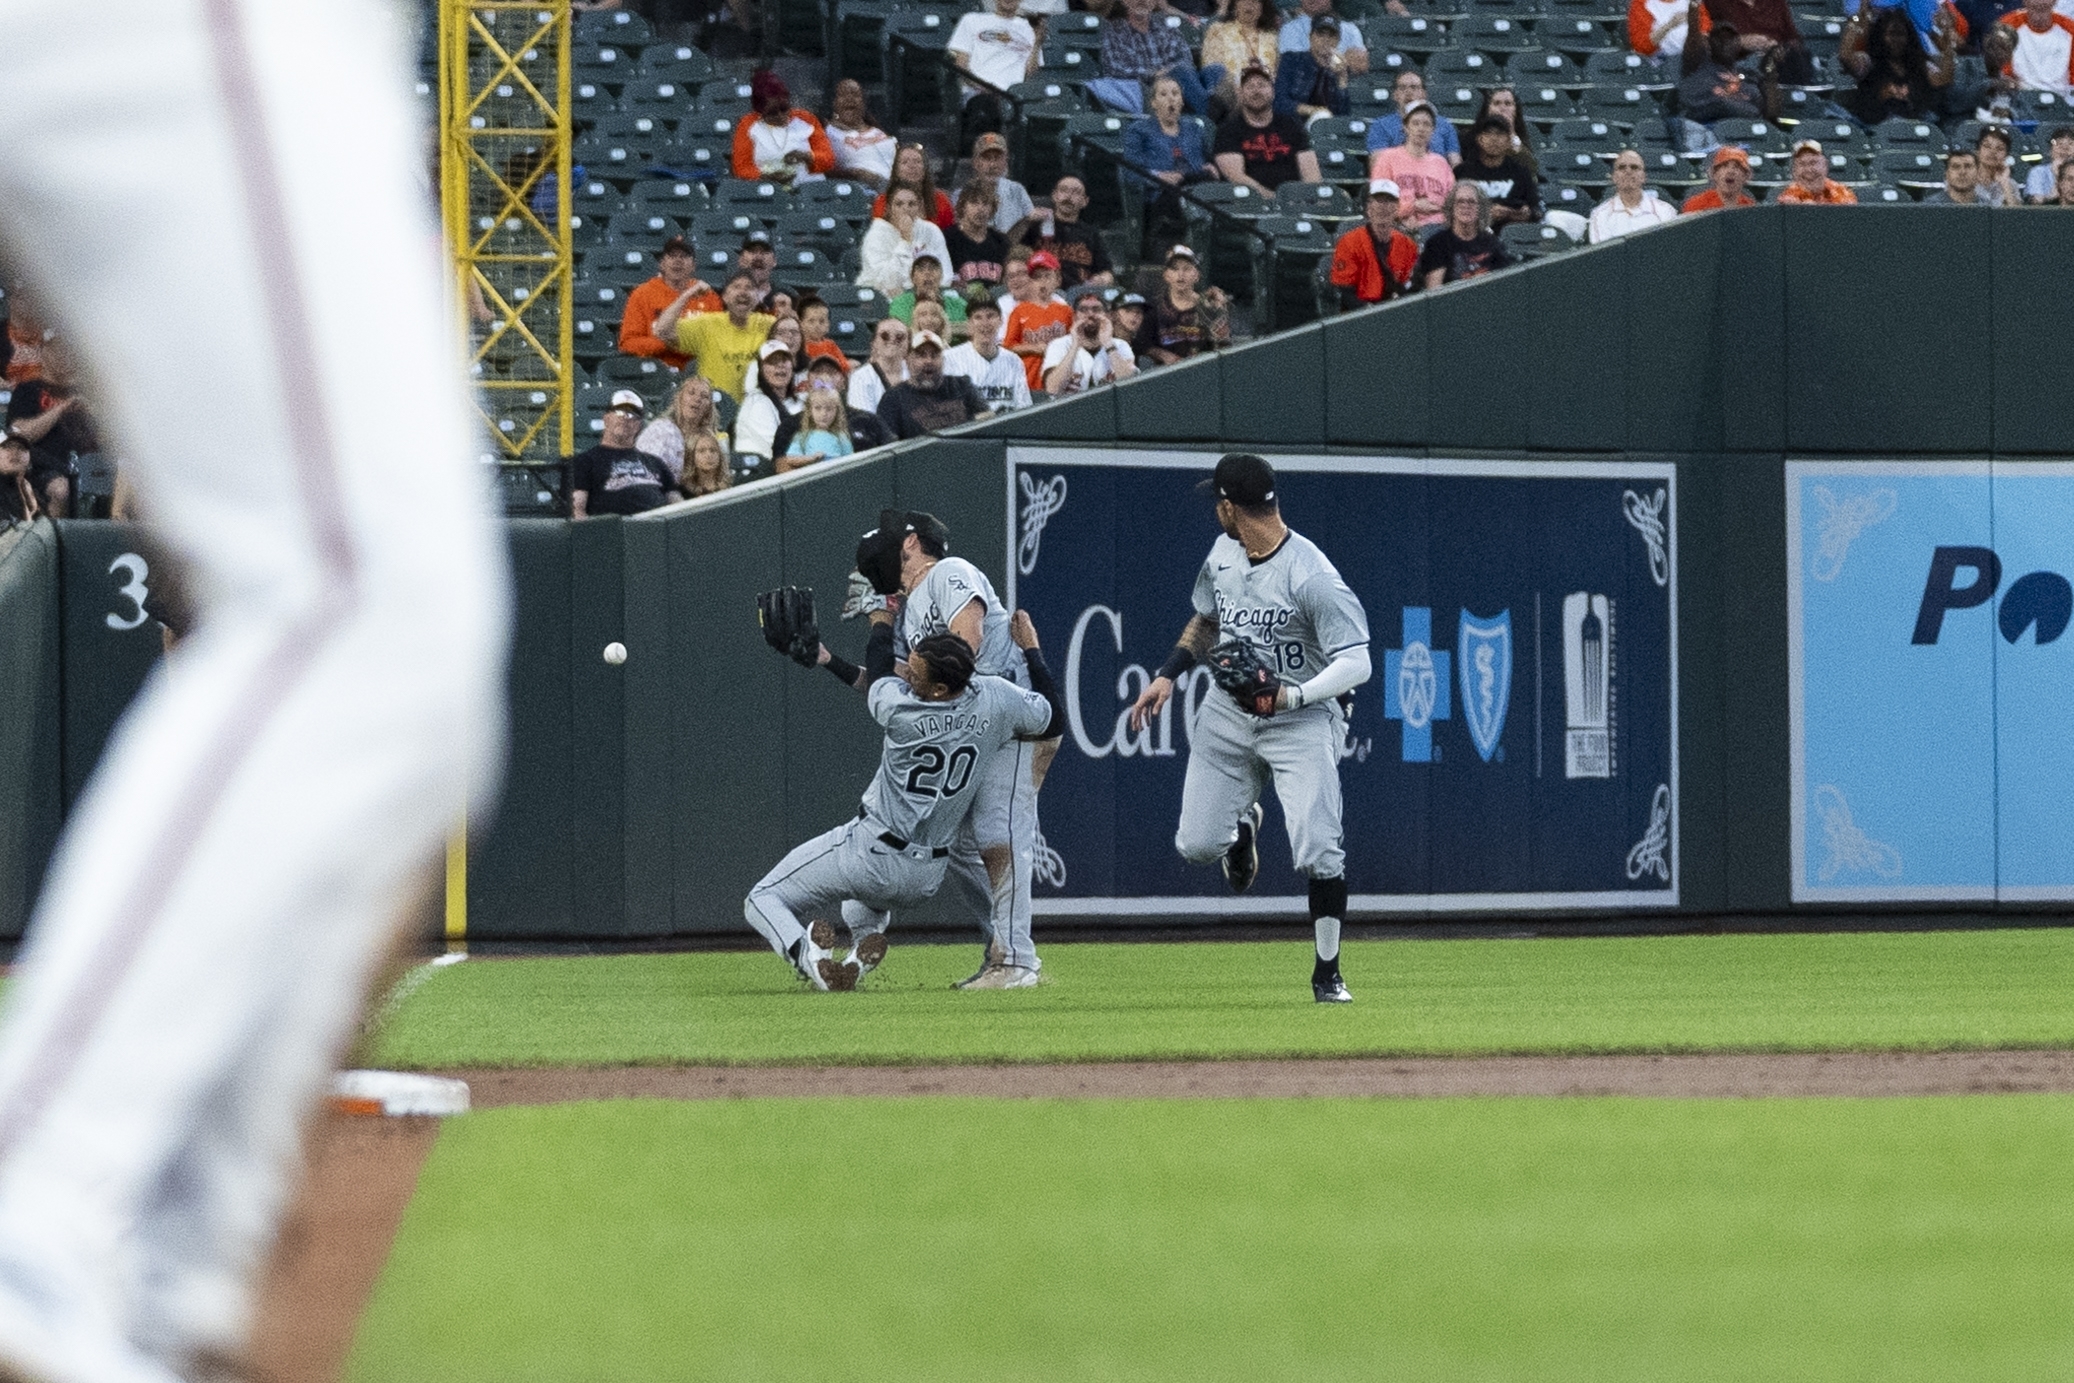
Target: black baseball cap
[
  {"x": 756, "y": 236},
  {"x": 1244, "y": 479},
  {"x": 676, "y": 244}
]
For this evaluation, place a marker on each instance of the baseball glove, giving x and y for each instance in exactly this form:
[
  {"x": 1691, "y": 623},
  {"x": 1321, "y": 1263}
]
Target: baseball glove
[
  {"x": 787, "y": 618},
  {"x": 1236, "y": 666}
]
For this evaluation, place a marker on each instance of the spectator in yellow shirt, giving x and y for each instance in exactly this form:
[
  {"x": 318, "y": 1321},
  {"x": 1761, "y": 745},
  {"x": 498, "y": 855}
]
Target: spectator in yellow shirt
[{"x": 722, "y": 342}]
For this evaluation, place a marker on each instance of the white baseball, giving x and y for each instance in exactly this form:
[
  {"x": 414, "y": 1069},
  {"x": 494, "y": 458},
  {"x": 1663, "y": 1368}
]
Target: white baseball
[{"x": 615, "y": 653}]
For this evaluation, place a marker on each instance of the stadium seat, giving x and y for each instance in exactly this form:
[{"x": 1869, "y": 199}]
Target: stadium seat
[
  {"x": 816, "y": 226},
  {"x": 912, "y": 45},
  {"x": 1588, "y": 134},
  {"x": 847, "y": 201},
  {"x": 1542, "y": 106},
  {"x": 1626, "y": 105},
  {"x": 596, "y": 198},
  {"x": 1414, "y": 34},
  {"x": 1884, "y": 194},
  {"x": 1495, "y": 34},
  {"x": 1909, "y": 134},
  {"x": 1757, "y": 136},
  {"x": 1285, "y": 254},
  {"x": 737, "y": 192},
  {"x": 594, "y": 27},
  {"x": 1580, "y": 37},
  {"x": 590, "y": 102},
  {"x": 803, "y": 261},
  {"x": 1322, "y": 201},
  {"x": 1534, "y": 241},
  {"x": 640, "y": 128},
  {"x": 1911, "y": 168},
  {"x": 681, "y": 63},
  {"x": 2045, "y": 107},
  {"x": 646, "y": 227},
  {"x": 1339, "y": 129},
  {"x": 1615, "y": 68},
  {"x": 600, "y": 62},
  {"x": 1578, "y": 200},
  {"x": 1604, "y": 11},
  {"x": 673, "y": 197},
  {"x": 1342, "y": 163},
  {"x": 1458, "y": 101},
  {"x": 1218, "y": 214},
  {"x": 660, "y": 94},
  {"x": 1835, "y": 136},
  {"x": 1543, "y": 67},
  {"x": 1369, "y": 98},
  {"x": 725, "y": 225},
  {"x": 1457, "y": 66},
  {"x": 608, "y": 156},
  {"x": 1577, "y": 165}
]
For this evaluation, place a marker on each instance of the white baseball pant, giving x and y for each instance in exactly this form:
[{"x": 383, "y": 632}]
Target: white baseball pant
[
  {"x": 216, "y": 201},
  {"x": 849, "y": 864},
  {"x": 1232, "y": 756}
]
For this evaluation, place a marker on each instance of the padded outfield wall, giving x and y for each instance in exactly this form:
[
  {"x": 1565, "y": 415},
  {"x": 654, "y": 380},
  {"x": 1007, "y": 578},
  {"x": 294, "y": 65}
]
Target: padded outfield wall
[{"x": 1721, "y": 360}]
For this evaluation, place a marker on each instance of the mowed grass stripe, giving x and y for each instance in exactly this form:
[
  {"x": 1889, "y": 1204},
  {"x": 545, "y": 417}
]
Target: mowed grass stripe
[
  {"x": 647, "y": 1242},
  {"x": 1110, "y": 1002}
]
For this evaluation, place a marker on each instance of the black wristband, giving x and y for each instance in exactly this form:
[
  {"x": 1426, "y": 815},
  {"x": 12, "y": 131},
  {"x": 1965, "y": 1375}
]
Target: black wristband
[
  {"x": 845, "y": 671},
  {"x": 1178, "y": 662}
]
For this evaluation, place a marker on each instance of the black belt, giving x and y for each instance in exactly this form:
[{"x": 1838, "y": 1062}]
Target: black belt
[{"x": 936, "y": 852}]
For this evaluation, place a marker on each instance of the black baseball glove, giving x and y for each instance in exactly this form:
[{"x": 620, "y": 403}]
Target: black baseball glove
[
  {"x": 787, "y": 618},
  {"x": 1237, "y": 667}
]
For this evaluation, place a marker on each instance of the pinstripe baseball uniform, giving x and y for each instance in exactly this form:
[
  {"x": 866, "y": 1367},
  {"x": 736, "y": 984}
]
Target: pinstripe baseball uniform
[
  {"x": 896, "y": 850},
  {"x": 1295, "y": 610},
  {"x": 1006, "y": 810},
  {"x": 268, "y": 810}
]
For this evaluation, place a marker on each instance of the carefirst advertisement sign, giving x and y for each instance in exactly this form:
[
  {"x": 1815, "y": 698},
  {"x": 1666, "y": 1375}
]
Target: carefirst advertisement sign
[
  {"x": 1932, "y": 750},
  {"x": 1516, "y": 748}
]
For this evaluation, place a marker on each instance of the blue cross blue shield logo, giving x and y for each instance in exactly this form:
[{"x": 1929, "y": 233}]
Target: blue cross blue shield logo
[{"x": 1483, "y": 655}]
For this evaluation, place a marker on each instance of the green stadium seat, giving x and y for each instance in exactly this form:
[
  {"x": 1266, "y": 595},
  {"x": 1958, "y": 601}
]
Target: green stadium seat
[
  {"x": 1542, "y": 106},
  {"x": 1285, "y": 254},
  {"x": 1614, "y": 68},
  {"x": 1916, "y": 168},
  {"x": 1414, "y": 34},
  {"x": 1909, "y": 134},
  {"x": 1321, "y": 201},
  {"x": 1580, "y": 36},
  {"x": 616, "y": 27},
  {"x": 1543, "y": 67},
  {"x": 1626, "y": 105},
  {"x": 681, "y": 63},
  {"x": 1492, "y": 33},
  {"x": 1458, "y": 66}
]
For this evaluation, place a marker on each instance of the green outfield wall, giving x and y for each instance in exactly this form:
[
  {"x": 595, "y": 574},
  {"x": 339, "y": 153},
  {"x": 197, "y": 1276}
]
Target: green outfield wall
[{"x": 642, "y": 800}]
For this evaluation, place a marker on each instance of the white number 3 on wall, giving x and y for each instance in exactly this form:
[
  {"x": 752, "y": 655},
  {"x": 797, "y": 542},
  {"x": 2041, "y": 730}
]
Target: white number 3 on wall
[{"x": 133, "y": 590}]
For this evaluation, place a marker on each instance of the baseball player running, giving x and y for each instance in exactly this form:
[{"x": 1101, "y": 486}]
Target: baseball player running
[
  {"x": 1294, "y": 640},
  {"x": 946, "y": 728},
  {"x": 906, "y": 558},
  {"x": 274, "y": 802}
]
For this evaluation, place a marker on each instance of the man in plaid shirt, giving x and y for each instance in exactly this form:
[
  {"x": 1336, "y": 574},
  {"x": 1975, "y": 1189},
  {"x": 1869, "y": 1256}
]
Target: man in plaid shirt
[{"x": 1135, "y": 50}]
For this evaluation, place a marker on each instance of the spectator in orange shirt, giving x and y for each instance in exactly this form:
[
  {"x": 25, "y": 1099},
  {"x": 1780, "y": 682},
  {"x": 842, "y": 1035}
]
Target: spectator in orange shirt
[
  {"x": 676, "y": 284},
  {"x": 1661, "y": 28},
  {"x": 1372, "y": 263},
  {"x": 1811, "y": 184},
  {"x": 1040, "y": 317},
  {"x": 814, "y": 323},
  {"x": 776, "y": 141},
  {"x": 1725, "y": 183}
]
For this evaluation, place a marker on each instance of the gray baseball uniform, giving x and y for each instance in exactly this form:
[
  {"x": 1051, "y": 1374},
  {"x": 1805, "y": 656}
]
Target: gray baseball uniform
[
  {"x": 896, "y": 850},
  {"x": 1293, "y": 607},
  {"x": 1006, "y": 810}
]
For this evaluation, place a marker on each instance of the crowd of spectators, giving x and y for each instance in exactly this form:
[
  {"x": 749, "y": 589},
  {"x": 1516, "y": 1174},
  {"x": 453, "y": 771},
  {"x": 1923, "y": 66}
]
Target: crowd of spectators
[{"x": 995, "y": 299}]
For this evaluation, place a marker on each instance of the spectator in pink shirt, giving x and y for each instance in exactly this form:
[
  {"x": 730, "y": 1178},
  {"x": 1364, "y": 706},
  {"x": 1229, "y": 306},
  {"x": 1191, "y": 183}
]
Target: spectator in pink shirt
[{"x": 1423, "y": 177}]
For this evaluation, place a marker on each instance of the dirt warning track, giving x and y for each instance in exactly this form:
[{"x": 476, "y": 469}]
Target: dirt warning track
[{"x": 1719, "y": 1075}]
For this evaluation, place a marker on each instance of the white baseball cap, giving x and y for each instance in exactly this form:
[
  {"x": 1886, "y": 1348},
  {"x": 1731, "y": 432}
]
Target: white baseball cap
[
  {"x": 1383, "y": 187},
  {"x": 925, "y": 338},
  {"x": 772, "y": 347},
  {"x": 627, "y": 401}
]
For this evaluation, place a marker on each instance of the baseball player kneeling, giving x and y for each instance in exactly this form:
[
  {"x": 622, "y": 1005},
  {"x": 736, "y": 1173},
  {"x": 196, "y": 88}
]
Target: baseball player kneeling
[
  {"x": 946, "y": 726},
  {"x": 1281, "y": 633}
]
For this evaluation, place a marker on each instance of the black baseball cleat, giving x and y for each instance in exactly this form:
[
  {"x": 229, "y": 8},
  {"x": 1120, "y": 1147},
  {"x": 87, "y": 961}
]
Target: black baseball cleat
[
  {"x": 1242, "y": 861},
  {"x": 1326, "y": 985}
]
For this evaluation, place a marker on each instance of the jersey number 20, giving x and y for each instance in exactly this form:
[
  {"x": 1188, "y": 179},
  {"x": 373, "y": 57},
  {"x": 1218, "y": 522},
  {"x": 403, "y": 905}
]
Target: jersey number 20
[{"x": 923, "y": 778}]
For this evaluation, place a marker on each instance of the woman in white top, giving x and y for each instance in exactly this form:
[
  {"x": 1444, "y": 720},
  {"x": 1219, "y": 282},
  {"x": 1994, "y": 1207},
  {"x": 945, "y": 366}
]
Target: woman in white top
[
  {"x": 886, "y": 367},
  {"x": 691, "y": 412},
  {"x": 892, "y": 245},
  {"x": 785, "y": 329},
  {"x": 863, "y": 151},
  {"x": 756, "y": 426}
]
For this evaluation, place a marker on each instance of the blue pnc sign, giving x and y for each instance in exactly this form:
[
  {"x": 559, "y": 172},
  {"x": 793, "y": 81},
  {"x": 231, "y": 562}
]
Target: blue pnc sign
[
  {"x": 1932, "y": 746},
  {"x": 1516, "y": 748}
]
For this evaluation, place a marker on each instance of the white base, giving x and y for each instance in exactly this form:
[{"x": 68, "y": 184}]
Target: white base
[{"x": 403, "y": 1092}]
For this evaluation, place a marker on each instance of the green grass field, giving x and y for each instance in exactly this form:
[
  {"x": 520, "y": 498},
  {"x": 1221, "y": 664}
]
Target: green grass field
[
  {"x": 643, "y": 1242},
  {"x": 1474, "y": 1239},
  {"x": 1110, "y": 1002}
]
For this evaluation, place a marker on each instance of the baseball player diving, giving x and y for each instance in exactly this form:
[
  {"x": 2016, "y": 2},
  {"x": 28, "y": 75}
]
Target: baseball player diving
[
  {"x": 904, "y": 565},
  {"x": 947, "y": 729},
  {"x": 275, "y": 802},
  {"x": 1281, "y": 633}
]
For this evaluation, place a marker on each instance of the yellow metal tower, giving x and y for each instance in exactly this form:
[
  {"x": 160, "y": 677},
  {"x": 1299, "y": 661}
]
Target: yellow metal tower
[{"x": 504, "y": 194}]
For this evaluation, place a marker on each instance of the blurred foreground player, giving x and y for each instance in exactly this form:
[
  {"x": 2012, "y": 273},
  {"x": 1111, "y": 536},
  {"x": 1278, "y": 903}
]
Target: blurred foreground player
[
  {"x": 268, "y": 811},
  {"x": 1285, "y": 637},
  {"x": 946, "y": 728}
]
